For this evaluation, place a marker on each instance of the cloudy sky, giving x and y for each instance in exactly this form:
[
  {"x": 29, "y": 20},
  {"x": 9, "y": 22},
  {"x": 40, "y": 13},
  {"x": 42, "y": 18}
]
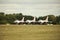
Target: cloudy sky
[{"x": 31, "y": 7}]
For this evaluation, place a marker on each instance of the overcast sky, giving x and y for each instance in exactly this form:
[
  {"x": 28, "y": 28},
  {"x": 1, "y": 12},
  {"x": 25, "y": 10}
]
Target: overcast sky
[{"x": 31, "y": 7}]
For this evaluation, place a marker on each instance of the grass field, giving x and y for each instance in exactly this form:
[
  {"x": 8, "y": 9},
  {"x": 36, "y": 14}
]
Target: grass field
[{"x": 29, "y": 32}]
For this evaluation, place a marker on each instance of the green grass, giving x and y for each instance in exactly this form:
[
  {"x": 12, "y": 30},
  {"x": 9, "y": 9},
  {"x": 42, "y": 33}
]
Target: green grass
[{"x": 29, "y": 32}]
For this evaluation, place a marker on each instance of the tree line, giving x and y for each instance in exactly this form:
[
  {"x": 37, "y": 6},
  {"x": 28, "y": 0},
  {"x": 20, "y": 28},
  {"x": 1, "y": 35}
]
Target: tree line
[{"x": 10, "y": 18}]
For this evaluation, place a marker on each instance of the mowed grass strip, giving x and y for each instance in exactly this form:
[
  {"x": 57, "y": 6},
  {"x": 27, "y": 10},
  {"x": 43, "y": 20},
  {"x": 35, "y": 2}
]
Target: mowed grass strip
[{"x": 29, "y": 32}]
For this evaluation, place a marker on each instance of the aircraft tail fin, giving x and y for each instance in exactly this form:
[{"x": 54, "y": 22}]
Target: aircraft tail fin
[{"x": 47, "y": 18}]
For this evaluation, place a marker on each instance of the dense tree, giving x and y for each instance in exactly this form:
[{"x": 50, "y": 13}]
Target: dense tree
[
  {"x": 58, "y": 19},
  {"x": 19, "y": 16},
  {"x": 2, "y": 18},
  {"x": 52, "y": 19},
  {"x": 40, "y": 18},
  {"x": 28, "y": 17},
  {"x": 10, "y": 18},
  {"x": 2, "y": 13}
]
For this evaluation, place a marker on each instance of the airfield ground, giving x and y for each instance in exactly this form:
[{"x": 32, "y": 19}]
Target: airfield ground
[{"x": 29, "y": 32}]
